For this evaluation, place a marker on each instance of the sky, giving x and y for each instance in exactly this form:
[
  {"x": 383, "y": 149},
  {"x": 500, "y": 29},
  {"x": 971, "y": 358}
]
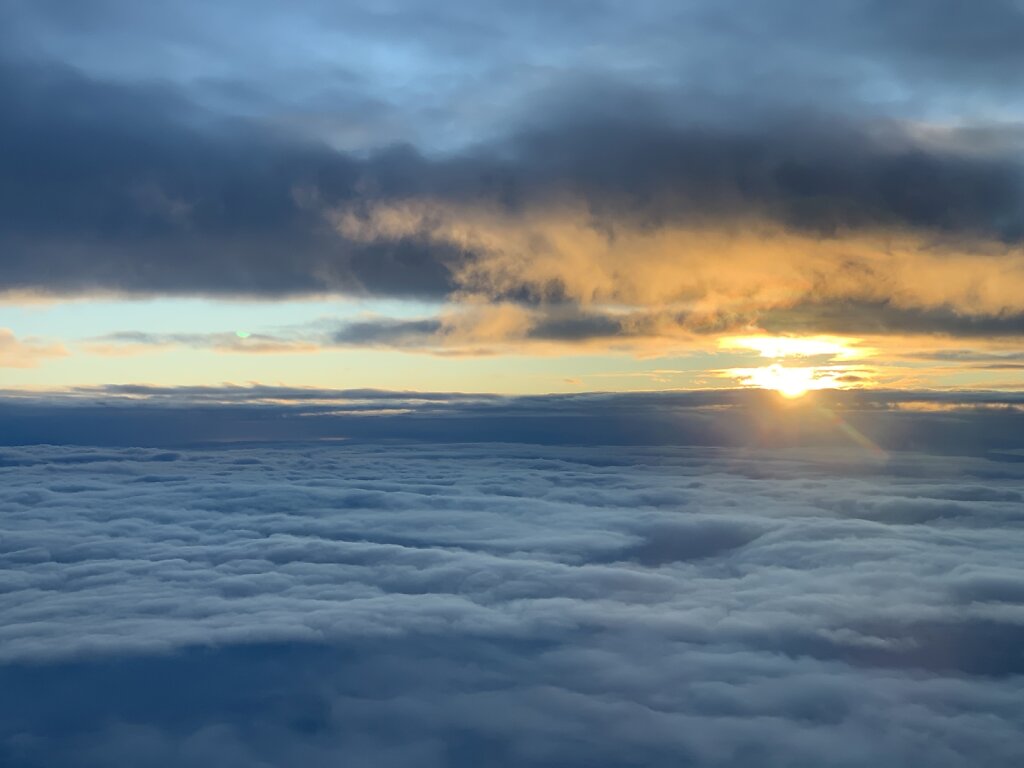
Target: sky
[
  {"x": 536, "y": 384},
  {"x": 514, "y": 198}
]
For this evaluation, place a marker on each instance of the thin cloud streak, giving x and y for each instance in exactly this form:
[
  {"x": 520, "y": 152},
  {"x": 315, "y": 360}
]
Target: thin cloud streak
[{"x": 26, "y": 353}]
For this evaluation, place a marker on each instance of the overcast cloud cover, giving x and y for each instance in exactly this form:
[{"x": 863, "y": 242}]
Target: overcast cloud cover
[
  {"x": 732, "y": 159},
  {"x": 800, "y": 598}
]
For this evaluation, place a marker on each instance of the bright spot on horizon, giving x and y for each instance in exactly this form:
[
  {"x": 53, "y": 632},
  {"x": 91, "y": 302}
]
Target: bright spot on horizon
[
  {"x": 791, "y": 383},
  {"x": 243, "y": 334}
]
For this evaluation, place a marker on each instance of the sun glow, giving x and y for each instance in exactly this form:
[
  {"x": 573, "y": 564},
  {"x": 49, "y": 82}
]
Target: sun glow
[
  {"x": 790, "y": 374},
  {"x": 788, "y": 382},
  {"x": 793, "y": 382}
]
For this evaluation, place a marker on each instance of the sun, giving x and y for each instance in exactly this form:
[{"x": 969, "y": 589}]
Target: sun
[
  {"x": 821, "y": 362},
  {"x": 791, "y": 383}
]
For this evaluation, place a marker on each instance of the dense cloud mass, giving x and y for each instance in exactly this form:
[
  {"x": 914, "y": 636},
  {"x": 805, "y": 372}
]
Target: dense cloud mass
[
  {"x": 115, "y": 188},
  {"x": 487, "y": 604},
  {"x": 864, "y": 155}
]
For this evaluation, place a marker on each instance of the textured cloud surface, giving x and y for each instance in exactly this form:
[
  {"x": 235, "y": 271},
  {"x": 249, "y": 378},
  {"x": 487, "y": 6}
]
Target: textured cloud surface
[
  {"x": 866, "y": 154},
  {"x": 509, "y": 604}
]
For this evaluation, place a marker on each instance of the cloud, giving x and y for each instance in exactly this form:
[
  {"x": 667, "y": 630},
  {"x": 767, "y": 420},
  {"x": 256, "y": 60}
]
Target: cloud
[
  {"x": 448, "y": 604},
  {"x": 873, "y": 54},
  {"x": 891, "y": 341},
  {"x": 869, "y": 421},
  {"x": 884, "y": 318},
  {"x": 471, "y": 326},
  {"x": 15, "y": 353},
  {"x": 711, "y": 270},
  {"x": 131, "y": 188},
  {"x": 721, "y": 220},
  {"x": 131, "y": 342}
]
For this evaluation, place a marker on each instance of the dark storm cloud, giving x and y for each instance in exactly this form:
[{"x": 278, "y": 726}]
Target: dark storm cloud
[
  {"x": 805, "y": 171},
  {"x": 458, "y": 605},
  {"x": 131, "y": 186}
]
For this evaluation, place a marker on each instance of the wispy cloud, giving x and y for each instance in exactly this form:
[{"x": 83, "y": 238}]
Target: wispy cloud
[{"x": 26, "y": 353}]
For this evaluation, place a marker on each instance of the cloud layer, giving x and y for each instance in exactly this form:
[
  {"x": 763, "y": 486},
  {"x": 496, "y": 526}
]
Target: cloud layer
[
  {"x": 861, "y": 162},
  {"x": 948, "y": 423},
  {"x": 464, "y": 604}
]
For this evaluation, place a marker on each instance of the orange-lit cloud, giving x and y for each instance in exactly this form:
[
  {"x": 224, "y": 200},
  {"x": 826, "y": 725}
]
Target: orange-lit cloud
[
  {"x": 26, "y": 353},
  {"x": 712, "y": 269},
  {"x": 131, "y": 343},
  {"x": 615, "y": 282}
]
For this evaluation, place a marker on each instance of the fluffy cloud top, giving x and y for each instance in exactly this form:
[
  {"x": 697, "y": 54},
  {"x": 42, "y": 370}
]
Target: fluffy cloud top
[{"x": 415, "y": 604}]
